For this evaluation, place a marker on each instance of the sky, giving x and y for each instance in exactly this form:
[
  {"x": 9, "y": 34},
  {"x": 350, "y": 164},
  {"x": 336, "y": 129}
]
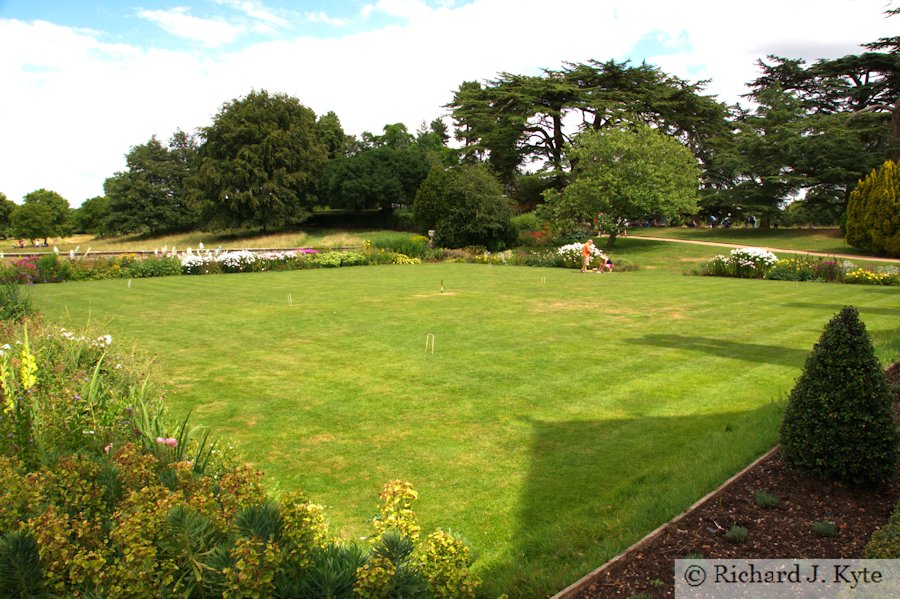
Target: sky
[{"x": 83, "y": 81}]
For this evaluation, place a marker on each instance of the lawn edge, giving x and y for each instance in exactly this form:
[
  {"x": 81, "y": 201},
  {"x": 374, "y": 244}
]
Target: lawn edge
[{"x": 573, "y": 589}]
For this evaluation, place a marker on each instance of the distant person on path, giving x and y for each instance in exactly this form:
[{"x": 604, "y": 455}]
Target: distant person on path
[{"x": 587, "y": 251}]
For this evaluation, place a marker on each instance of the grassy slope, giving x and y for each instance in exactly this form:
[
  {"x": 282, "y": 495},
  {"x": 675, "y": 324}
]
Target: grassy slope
[
  {"x": 561, "y": 417},
  {"x": 318, "y": 238},
  {"x": 812, "y": 240}
]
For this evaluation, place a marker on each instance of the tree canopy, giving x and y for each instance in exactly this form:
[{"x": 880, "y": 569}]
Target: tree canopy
[
  {"x": 152, "y": 195},
  {"x": 465, "y": 205},
  {"x": 383, "y": 171},
  {"x": 33, "y": 221},
  {"x": 7, "y": 207},
  {"x": 58, "y": 207},
  {"x": 514, "y": 119},
  {"x": 629, "y": 172},
  {"x": 261, "y": 163}
]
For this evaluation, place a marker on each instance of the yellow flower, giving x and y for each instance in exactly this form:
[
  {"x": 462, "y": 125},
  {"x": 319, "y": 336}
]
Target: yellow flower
[
  {"x": 29, "y": 366},
  {"x": 10, "y": 402}
]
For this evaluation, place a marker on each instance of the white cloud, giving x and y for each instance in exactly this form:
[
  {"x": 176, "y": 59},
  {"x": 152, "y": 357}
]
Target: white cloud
[
  {"x": 406, "y": 9},
  {"x": 321, "y": 17},
  {"x": 177, "y": 21},
  {"x": 80, "y": 104},
  {"x": 256, "y": 10}
]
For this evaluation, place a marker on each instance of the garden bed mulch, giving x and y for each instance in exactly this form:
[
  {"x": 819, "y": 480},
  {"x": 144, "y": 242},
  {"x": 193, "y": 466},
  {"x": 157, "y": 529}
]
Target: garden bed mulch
[{"x": 784, "y": 531}]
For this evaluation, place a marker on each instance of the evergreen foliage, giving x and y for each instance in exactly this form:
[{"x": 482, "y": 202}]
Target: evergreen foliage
[
  {"x": 838, "y": 424},
  {"x": 151, "y": 196},
  {"x": 261, "y": 163},
  {"x": 20, "y": 566},
  {"x": 873, "y": 213},
  {"x": 465, "y": 206}
]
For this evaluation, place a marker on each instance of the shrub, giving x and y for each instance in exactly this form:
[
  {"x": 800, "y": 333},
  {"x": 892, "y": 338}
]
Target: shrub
[
  {"x": 465, "y": 206},
  {"x": 445, "y": 563},
  {"x": 528, "y": 221},
  {"x": 862, "y": 276},
  {"x": 885, "y": 542},
  {"x": 155, "y": 267},
  {"x": 20, "y": 567},
  {"x": 745, "y": 263},
  {"x": 766, "y": 500},
  {"x": 736, "y": 534},
  {"x": 793, "y": 269},
  {"x": 838, "y": 424},
  {"x": 873, "y": 212},
  {"x": 401, "y": 243},
  {"x": 569, "y": 256},
  {"x": 15, "y": 303},
  {"x": 825, "y": 529}
]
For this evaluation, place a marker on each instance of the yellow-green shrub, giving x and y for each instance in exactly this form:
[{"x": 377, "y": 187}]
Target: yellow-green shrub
[{"x": 445, "y": 562}]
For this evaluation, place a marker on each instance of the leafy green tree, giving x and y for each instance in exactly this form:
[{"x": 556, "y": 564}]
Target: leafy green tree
[
  {"x": 34, "y": 221},
  {"x": 59, "y": 209},
  {"x": 465, "y": 205},
  {"x": 629, "y": 173},
  {"x": 93, "y": 216},
  {"x": 261, "y": 163},
  {"x": 7, "y": 207},
  {"x": 384, "y": 171},
  {"x": 152, "y": 195},
  {"x": 331, "y": 133},
  {"x": 838, "y": 424}
]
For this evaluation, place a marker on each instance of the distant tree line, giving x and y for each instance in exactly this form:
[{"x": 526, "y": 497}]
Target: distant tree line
[{"x": 565, "y": 141}]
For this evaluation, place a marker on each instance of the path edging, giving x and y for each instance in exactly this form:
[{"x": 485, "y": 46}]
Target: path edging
[{"x": 570, "y": 592}]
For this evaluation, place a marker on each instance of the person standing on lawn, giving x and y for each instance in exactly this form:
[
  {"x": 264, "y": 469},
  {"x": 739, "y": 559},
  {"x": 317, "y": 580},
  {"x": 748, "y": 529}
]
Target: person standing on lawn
[{"x": 587, "y": 251}]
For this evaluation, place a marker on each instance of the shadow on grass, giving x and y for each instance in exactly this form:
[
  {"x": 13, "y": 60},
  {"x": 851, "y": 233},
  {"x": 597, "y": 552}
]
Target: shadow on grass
[
  {"x": 595, "y": 487},
  {"x": 725, "y": 348},
  {"x": 862, "y": 309}
]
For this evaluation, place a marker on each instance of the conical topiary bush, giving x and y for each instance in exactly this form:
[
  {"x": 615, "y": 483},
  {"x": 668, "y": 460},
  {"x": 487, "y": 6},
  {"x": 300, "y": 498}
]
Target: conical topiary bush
[{"x": 838, "y": 424}]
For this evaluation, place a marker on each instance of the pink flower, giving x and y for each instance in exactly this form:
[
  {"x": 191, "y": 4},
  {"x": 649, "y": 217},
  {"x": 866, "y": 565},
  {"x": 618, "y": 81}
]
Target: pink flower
[
  {"x": 107, "y": 448},
  {"x": 167, "y": 441}
]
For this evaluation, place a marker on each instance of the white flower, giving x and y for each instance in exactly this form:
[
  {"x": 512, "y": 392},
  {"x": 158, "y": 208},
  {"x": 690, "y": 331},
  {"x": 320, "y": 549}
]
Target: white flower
[{"x": 105, "y": 340}]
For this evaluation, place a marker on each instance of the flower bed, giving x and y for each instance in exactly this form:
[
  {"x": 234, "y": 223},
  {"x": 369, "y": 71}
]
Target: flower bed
[
  {"x": 762, "y": 264},
  {"x": 100, "y": 496},
  {"x": 570, "y": 255}
]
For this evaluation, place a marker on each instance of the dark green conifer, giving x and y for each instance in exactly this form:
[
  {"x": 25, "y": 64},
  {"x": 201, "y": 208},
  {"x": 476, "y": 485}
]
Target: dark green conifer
[{"x": 838, "y": 424}]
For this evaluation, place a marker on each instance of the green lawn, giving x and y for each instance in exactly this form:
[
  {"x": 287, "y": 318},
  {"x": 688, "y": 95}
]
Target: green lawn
[
  {"x": 809, "y": 240},
  {"x": 561, "y": 417}
]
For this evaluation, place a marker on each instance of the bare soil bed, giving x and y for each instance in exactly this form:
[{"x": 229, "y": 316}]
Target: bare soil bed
[{"x": 783, "y": 531}]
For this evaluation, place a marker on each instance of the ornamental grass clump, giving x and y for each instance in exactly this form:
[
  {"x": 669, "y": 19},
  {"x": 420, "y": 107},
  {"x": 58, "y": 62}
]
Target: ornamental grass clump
[
  {"x": 737, "y": 534},
  {"x": 838, "y": 424},
  {"x": 825, "y": 529}
]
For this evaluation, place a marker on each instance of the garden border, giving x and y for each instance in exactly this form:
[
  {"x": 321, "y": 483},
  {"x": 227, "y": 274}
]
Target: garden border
[{"x": 572, "y": 591}]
